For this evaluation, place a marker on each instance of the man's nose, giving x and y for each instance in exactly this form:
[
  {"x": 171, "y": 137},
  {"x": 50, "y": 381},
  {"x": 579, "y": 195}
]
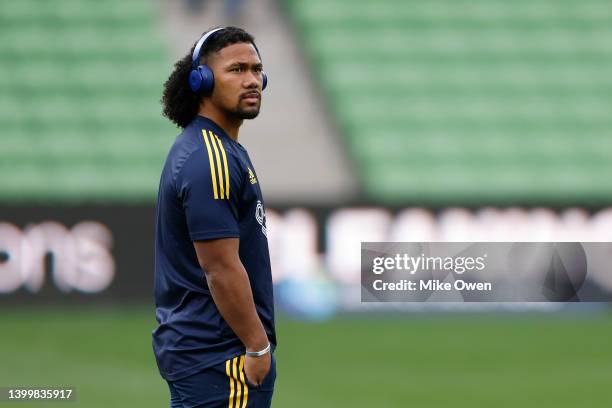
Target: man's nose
[{"x": 253, "y": 80}]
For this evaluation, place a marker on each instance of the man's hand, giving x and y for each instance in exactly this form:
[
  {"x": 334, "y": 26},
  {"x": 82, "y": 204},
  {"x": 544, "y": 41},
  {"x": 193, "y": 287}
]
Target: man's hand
[{"x": 256, "y": 368}]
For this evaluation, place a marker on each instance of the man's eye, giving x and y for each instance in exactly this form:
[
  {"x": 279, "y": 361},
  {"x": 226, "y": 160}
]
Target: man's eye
[{"x": 236, "y": 69}]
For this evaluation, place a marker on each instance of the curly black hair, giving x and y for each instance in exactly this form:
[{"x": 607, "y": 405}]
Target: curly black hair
[{"x": 180, "y": 103}]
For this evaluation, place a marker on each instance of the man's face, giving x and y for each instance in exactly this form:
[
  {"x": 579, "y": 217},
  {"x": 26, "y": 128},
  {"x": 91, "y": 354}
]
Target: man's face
[{"x": 238, "y": 80}]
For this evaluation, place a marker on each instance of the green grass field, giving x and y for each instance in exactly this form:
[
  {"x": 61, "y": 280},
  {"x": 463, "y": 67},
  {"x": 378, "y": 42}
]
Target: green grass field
[{"x": 451, "y": 361}]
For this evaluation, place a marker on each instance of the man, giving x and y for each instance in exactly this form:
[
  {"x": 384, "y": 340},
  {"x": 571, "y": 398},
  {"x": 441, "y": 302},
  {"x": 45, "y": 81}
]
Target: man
[{"x": 213, "y": 283}]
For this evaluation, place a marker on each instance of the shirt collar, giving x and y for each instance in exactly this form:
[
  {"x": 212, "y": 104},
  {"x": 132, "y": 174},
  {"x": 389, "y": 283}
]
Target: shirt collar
[{"x": 210, "y": 124}]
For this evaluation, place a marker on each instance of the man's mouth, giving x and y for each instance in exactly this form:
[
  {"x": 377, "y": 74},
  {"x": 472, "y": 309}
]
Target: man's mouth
[{"x": 250, "y": 96}]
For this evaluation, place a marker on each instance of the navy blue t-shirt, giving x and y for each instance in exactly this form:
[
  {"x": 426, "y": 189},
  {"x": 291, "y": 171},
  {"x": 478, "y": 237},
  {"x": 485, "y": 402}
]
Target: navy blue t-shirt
[{"x": 208, "y": 190}]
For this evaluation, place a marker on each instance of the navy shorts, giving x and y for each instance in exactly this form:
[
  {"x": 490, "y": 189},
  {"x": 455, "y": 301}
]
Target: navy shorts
[{"x": 222, "y": 386}]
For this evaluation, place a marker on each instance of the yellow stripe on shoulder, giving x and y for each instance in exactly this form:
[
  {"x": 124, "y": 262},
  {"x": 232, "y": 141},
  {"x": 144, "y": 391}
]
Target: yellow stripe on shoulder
[
  {"x": 224, "y": 157},
  {"x": 219, "y": 169},
  {"x": 212, "y": 165}
]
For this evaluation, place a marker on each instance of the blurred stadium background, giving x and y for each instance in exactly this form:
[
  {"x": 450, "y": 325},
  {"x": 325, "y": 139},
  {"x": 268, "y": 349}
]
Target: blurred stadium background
[{"x": 384, "y": 120}]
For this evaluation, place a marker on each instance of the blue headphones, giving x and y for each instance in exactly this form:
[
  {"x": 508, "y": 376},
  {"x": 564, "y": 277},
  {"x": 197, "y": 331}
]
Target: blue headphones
[{"x": 201, "y": 78}]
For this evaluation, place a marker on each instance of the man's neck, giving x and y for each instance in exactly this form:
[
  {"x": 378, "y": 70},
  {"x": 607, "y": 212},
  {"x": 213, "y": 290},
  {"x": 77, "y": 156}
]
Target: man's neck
[{"x": 230, "y": 125}]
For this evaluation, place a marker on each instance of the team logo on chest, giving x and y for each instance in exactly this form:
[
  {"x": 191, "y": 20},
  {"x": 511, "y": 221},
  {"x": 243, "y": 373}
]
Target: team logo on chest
[
  {"x": 252, "y": 177},
  {"x": 260, "y": 216}
]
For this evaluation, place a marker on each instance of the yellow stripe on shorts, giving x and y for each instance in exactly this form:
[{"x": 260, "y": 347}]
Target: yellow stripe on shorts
[
  {"x": 234, "y": 369},
  {"x": 244, "y": 386},
  {"x": 231, "y": 396},
  {"x": 238, "y": 385}
]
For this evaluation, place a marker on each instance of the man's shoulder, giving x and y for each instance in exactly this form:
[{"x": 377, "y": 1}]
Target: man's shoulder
[
  {"x": 183, "y": 148},
  {"x": 201, "y": 150}
]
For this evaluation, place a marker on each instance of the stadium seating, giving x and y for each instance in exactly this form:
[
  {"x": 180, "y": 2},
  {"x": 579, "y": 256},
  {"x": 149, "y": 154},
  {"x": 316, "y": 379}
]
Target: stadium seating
[
  {"x": 468, "y": 102},
  {"x": 79, "y": 107}
]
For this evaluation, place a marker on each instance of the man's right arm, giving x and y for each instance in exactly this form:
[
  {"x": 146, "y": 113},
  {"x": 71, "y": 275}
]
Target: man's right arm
[
  {"x": 231, "y": 291},
  {"x": 211, "y": 215}
]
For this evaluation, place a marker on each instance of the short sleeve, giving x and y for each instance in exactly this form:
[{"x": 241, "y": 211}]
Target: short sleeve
[{"x": 204, "y": 184}]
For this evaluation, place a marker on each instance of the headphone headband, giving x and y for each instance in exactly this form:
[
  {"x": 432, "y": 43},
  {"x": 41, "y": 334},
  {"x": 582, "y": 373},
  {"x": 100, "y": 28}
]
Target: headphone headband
[{"x": 195, "y": 58}]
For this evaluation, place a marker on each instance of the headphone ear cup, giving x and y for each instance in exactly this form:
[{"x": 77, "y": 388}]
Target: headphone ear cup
[
  {"x": 208, "y": 79},
  {"x": 264, "y": 78},
  {"x": 195, "y": 80}
]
